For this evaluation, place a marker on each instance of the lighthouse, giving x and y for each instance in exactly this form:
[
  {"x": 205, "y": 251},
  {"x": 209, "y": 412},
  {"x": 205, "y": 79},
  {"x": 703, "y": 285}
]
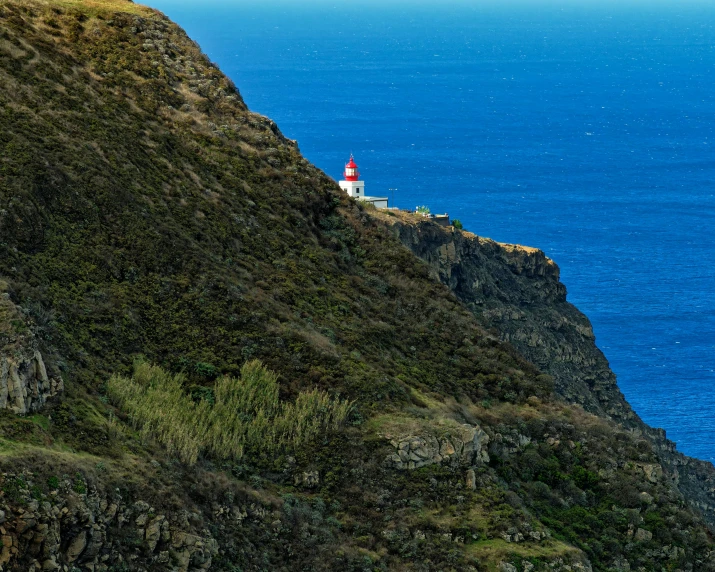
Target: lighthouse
[
  {"x": 352, "y": 185},
  {"x": 355, "y": 188}
]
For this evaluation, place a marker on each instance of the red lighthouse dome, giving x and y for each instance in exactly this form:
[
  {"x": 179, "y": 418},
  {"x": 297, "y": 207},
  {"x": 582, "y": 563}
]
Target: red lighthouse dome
[{"x": 351, "y": 170}]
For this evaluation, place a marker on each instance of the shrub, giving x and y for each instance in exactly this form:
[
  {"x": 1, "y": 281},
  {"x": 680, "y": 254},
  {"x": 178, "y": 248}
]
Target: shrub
[
  {"x": 246, "y": 412},
  {"x": 456, "y": 223},
  {"x": 206, "y": 370}
]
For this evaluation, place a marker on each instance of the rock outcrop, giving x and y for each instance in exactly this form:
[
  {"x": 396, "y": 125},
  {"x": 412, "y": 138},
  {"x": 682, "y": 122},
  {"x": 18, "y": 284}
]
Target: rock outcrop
[
  {"x": 516, "y": 292},
  {"x": 25, "y": 386},
  {"x": 464, "y": 446},
  {"x": 80, "y": 528}
]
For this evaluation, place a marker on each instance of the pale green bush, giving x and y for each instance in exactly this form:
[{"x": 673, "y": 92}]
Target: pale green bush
[{"x": 247, "y": 413}]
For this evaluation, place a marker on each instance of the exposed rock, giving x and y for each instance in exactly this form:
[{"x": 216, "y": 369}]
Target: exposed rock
[
  {"x": 465, "y": 445},
  {"x": 652, "y": 472},
  {"x": 81, "y": 532},
  {"x": 152, "y": 534},
  {"x": 516, "y": 291},
  {"x": 506, "y": 444},
  {"x": 192, "y": 549},
  {"x": 642, "y": 535},
  {"x": 512, "y": 535},
  {"x": 621, "y": 564},
  {"x": 471, "y": 480},
  {"x": 25, "y": 385},
  {"x": 77, "y": 546}
]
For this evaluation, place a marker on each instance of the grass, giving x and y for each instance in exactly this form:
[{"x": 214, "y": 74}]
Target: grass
[
  {"x": 9, "y": 447},
  {"x": 491, "y": 552},
  {"x": 396, "y": 426},
  {"x": 245, "y": 413},
  {"x": 93, "y": 8},
  {"x": 41, "y": 421}
]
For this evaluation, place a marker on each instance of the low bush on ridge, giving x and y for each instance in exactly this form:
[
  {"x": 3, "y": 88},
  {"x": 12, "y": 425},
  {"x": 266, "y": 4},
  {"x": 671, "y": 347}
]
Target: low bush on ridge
[{"x": 246, "y": 412}]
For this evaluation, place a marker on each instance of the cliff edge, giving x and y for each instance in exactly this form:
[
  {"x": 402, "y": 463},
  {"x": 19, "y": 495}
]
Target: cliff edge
[{"x": 515, "y": 290}]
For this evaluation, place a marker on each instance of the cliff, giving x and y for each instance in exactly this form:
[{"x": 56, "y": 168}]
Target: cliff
[
  {"x": 247, "y": 370},
  {"x": 515, "y": 290},
  {"x": 25, "y": 386}
]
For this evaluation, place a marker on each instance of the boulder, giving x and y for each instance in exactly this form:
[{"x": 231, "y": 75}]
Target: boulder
[
  {"x": 25, "y": 385},
  {"x": 77, "y": 546},
  {"x": 152, "y": 534},
  {"x": 643, "y": 535},
  {"x": 652, "y": 471}
]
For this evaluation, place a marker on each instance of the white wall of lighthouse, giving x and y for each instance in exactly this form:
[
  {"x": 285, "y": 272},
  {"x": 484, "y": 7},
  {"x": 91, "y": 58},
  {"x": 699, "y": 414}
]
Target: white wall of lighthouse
[{"x": 354, "y": 189}]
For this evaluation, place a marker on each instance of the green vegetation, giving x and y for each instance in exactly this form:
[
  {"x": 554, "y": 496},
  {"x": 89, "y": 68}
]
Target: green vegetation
[
  {"x": 246, "y": 413},
  {"x": 456, "y": 223},
  {"x": 144, "y": 211},
  {"x": 175, "y": 224},
  {"x": 41, "y": 421},
  {"x": 423, "y": 210}
]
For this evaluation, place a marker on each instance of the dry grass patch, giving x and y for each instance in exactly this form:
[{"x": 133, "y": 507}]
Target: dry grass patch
[
  {"x": 396, "y": 426},
  {"x": 491, "y": 552},
  {"x": 93, "y": 7}
]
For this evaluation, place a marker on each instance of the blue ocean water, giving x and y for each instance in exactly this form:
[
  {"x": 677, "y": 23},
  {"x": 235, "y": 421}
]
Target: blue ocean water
[{"x": 585, "y": 129}]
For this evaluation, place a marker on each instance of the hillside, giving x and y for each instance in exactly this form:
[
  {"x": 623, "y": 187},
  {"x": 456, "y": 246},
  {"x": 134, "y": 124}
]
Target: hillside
[
  {"x": 156, "y": 239},
  {"x": 516, "y": 291}
]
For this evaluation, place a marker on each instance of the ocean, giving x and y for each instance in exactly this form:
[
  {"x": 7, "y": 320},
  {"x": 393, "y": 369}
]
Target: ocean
[{"x": 585, "y": 129}]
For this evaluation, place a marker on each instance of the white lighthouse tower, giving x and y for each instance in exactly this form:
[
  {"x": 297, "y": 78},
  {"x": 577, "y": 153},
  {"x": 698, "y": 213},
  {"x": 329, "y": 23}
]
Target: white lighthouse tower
[{"x": 355, "y": 188}]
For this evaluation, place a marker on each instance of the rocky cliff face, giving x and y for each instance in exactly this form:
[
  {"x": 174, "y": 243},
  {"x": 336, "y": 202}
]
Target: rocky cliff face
[
  {"x": 83, "y": 526},
  {"x": 515, "y": 290},
  {"x": 25, "y": 386}
]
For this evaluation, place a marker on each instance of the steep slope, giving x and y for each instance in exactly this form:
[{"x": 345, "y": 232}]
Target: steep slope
[
  {"x": 516, "y": 291},
  {"x": 146, "y": 214}
]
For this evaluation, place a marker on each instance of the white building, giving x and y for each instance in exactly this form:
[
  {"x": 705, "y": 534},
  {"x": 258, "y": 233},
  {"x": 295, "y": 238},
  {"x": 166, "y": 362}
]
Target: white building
[{"x": 356, "y": 188}]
